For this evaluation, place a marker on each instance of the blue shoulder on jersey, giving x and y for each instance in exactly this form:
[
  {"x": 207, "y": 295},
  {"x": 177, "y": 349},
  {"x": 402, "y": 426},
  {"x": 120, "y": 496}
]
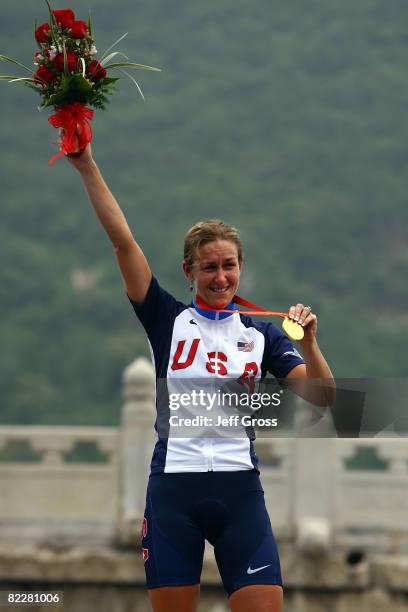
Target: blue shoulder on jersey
[{"x": 157, "y": 314}]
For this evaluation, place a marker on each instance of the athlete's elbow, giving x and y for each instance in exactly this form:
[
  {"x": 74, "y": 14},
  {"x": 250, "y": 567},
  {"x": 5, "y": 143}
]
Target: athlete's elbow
[{"x": 122, "y": 244}]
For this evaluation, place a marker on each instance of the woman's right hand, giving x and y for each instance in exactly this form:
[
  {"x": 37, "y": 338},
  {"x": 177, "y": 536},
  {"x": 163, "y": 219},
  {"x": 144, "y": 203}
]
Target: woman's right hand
[{"x": 81, "y": 160}]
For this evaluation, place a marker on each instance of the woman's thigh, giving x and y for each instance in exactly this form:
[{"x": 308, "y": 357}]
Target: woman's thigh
[
  {"x": 245, "y": 548},
  {"x": 180, "y": 599},
  {"x": 257, "y": 598},
  {"x": 173, "y": 544}
]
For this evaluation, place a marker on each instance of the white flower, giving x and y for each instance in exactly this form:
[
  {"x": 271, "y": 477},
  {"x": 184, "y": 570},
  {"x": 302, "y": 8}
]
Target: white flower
[
  {"x": 54, "y": 51},
  {"x": 93, "y": 50}
]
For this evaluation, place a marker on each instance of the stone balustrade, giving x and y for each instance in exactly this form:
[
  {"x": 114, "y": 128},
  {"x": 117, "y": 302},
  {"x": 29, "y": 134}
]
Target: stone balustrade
[
  {"x": 52, "y": 498},
  {"x": 315, "y": 495}
]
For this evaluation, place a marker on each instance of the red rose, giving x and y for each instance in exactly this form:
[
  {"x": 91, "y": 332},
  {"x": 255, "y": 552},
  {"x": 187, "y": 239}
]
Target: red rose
[
  {"x": 72, "y": 61},
  {"x": 79, "y": 29},
  {"x": 43, "y": 74},
  {"x": 96, "y": 71},
  {"x": 42, "y": 33},
  {"x": 64, "y": 17}
]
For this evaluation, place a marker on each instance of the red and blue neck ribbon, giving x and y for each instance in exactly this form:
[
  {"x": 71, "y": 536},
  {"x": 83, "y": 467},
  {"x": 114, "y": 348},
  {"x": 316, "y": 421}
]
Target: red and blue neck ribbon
[{"x": 254, "y": 309}]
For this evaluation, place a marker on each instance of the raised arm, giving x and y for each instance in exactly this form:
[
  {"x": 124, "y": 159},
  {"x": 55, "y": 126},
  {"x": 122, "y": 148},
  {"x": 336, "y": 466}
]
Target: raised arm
[{"x": 132, "y": 262}]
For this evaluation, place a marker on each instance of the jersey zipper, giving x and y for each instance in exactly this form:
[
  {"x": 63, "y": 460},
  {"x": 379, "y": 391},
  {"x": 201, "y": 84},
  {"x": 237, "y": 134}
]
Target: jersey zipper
[
  {"x": 210, "y": 441},
  {"x": 210, "y": 457}
]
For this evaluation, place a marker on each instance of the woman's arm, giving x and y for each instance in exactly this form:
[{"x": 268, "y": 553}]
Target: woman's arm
[
  {"x": 132, "y": 262},
  {"x": 319, "y": 386}
]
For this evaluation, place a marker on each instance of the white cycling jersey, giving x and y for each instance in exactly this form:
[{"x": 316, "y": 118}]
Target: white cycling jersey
[{"x": 189, "y": 344}]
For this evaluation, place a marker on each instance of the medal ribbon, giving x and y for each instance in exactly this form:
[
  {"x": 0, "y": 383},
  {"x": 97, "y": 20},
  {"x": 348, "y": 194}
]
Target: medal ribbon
[
  {"x": 291, "y": 328},
  {"x": 255, "y": 310}
]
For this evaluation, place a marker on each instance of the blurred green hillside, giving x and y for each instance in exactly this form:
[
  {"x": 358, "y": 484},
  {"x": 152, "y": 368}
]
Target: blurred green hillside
[{"x": 287, "y": 119}]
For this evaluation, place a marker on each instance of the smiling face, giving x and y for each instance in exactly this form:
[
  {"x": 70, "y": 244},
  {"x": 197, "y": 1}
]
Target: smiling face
[{"x": 215, "y": 272}]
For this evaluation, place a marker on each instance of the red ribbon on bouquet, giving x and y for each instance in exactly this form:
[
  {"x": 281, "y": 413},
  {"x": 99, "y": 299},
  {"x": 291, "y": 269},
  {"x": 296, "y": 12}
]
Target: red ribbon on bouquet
[{"x": 76, "y": 132}]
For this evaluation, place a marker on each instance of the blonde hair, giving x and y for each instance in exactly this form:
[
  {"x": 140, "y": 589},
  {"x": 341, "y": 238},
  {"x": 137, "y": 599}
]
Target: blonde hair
[{"x": 207, "y": 231}]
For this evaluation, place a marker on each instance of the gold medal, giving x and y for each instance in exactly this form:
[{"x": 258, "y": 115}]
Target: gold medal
[{"x": 293, "y": 329}]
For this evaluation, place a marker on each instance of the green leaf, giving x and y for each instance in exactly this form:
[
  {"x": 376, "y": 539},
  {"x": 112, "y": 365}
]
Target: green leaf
[
  {"x": 133, "y": 81},
  {"x": 83, "y": 67},
  {"x": 53, "y": 25},
  {"x": 107, "y": 83},
  {"x": 33, "y": 87},
  {"x": 23, "y": 81},
  {"x": 109, "y": 80},
  {"x": 49, "y": 6},
  {"x": 57, "y": 99},
  {"x": 4, "y": 58},
  {"x": 90, "y": 23},
  {"x": 7, "y": 78},
  {"x": 113, "y": 45},
  {"x": 35, "y": 27},
  {"x": 15, "y": 79},
  {"x": 111, "y": 56},
  {"x": 73, "y": 88},
  {"x": 76, "y": 83},
  {"x": 132, "y": 65},
  {"x": 64, "y": 51}
]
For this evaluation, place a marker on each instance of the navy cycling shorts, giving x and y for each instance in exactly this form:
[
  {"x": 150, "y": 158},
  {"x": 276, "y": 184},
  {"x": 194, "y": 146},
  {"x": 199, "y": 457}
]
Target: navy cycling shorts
[{"x": 227, "y": 509}]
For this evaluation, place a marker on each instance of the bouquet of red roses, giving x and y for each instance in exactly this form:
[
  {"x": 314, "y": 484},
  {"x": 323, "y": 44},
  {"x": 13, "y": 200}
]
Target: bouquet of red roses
[{"x": 69, "y": 77}]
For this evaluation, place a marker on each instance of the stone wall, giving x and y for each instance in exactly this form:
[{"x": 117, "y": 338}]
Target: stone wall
[{"x": 112, "y": 580}]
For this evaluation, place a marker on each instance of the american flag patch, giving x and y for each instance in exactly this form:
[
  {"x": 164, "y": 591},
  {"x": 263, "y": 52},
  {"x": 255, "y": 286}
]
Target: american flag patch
[{"x": 247, "y": 347}]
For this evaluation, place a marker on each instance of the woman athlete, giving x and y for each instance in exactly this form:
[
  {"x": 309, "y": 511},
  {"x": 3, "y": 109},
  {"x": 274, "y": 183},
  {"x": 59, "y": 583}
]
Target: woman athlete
[{"x": 205, "y": 488}]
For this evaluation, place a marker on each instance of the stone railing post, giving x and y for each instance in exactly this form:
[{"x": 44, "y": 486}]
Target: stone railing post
[
  {"x": 314, "y": 478},
  {"x": 137, "y": 440}
]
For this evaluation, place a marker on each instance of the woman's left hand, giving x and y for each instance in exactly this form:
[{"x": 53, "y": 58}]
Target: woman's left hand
[{"x": 305, "y": 317}]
